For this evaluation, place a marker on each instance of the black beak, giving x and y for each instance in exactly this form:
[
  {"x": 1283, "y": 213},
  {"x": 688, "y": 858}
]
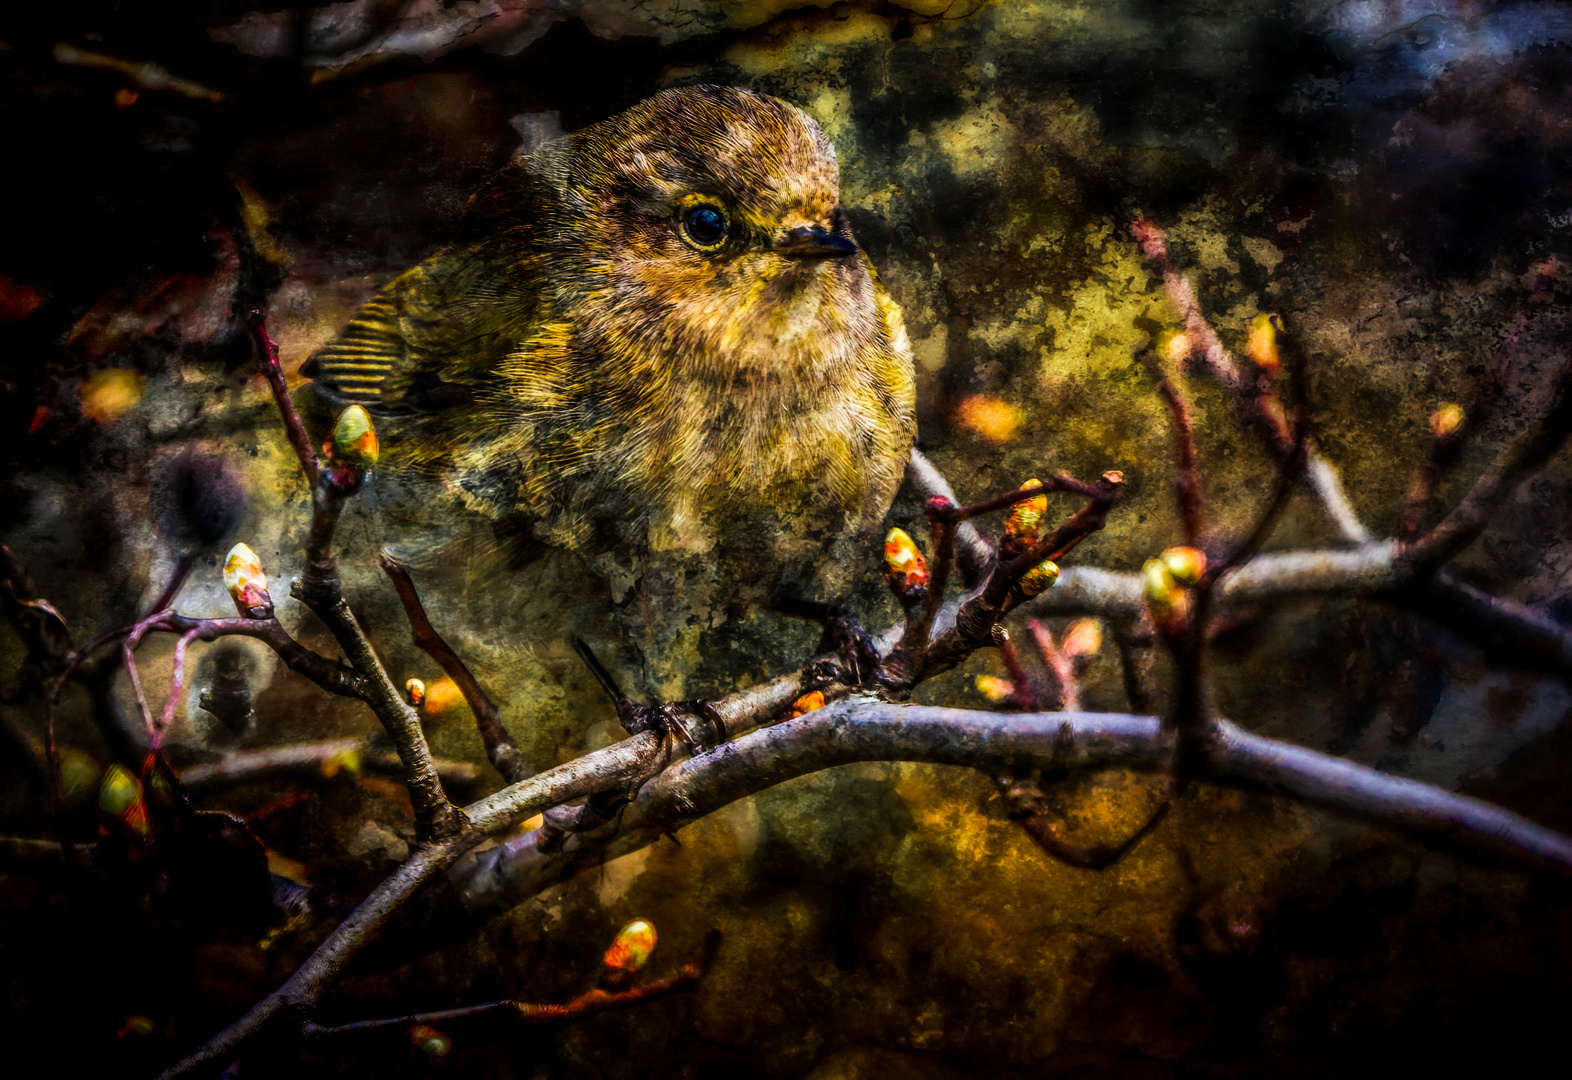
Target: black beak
[{"x": 816, "y": 242}]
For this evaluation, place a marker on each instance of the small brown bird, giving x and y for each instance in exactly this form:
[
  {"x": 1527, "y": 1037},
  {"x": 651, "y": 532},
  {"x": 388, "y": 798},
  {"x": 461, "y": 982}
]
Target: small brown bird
[{"x": 654, "y": 343}]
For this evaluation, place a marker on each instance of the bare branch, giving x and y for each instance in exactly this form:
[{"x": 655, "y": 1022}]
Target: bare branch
[
  {"x": 1531, "y": 450},
  {"x": 267, "y": 357},
  {"x": 309, "y": 758},
  {"x": 501, "y": 750},
  {"x": 864, "y": 730}
]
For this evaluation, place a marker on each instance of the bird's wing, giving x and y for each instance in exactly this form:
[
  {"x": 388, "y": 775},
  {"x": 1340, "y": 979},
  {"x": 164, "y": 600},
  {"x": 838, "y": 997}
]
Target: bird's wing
[{"x": 435, "y": 334}]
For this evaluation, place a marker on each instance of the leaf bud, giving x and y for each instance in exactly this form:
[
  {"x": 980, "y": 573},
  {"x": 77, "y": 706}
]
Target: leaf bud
[
  {"x": 1446, "y": 420},
  {"x": 994, "y": 688},
  {"x": 429, "y": 1040},
  {"x": 1083, "y": 637},
  {"x": 1165, "y": 598},
  {"x": 1023, "y": 525},
  {"x": 631, "y": 948},
  {"x": 354, "y": 444},
  {"x": 1186, "y": 564},
  {"x": 905, "y": 569},
  {"x": 1261, "y": 342},
  {"x": 120, "y": 796},
  {"x": 807, "y": 703},
  {"x": 1172, "y": 346},
  {"x": 247, "y": 584},
  {"x": 1040, "y": 577},
  {"x": 415, "y": 692}
]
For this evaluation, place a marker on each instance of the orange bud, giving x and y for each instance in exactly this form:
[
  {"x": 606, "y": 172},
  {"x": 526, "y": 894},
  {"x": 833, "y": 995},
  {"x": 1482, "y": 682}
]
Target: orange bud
[
  {"x": 807, "y": 703},
  {"x": 1083, "y": 637},
  {"x": 1261, "y": 344},
  {"x": 442, "y": 695},
  {"x": 415, "y": 692},
  {"x": 1186, "y": 564},
  {"x": 1024, "y": 522},
  {"x": 355, "y": 444},
  {"x": 247, "y": 584},
  {"x": 994, "y": 688},
  {"x": 1040, "y": 577},
  {"x": 1447, "y": 419},
  {"x": 904, "y": 567},
  {"x": 631, "y": 948}
]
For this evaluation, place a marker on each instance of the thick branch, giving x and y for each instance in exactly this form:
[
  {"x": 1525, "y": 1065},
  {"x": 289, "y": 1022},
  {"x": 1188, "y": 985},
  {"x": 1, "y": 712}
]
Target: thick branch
[{"x": 862, "y": 730}]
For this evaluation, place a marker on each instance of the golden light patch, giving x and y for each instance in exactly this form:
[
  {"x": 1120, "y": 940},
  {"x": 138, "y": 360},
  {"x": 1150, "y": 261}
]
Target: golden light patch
[
  {"x": 993, "y": 418},
  {"x": 109, "y": 394}
]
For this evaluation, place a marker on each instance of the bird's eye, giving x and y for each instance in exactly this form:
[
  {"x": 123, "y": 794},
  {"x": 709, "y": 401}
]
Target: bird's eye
[{"x": 705, "y": 225}]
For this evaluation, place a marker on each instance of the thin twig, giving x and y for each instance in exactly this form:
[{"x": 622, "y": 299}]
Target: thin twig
[
  {"x": 501, "y": 750},
  {"x": 1187, "y": 473},
  {"x": 267, "y": 357},
  {"x": 308, "y": 758},
  {"x": 1447, "y": 445},
  {"x": 1530, "y": 451},
  {"x": 589, "y": 1003}
]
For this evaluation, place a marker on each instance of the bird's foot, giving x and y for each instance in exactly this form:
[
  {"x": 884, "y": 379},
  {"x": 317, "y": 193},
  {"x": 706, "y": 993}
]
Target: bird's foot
[
  {"x": 696, "y": 723},
  {"x": 852, "y": 659}
]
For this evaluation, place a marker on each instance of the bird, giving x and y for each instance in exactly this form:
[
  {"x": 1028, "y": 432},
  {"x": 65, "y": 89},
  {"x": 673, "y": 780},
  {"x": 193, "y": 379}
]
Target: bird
[{"x": 655, "y": 343}]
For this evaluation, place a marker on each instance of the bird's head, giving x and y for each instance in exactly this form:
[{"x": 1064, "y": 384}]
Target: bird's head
[{"x": 701, "y": 228}]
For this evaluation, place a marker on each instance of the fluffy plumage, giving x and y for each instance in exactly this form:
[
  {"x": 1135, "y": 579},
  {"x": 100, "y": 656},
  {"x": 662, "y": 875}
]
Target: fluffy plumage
[{"x": 579, "y": 366}]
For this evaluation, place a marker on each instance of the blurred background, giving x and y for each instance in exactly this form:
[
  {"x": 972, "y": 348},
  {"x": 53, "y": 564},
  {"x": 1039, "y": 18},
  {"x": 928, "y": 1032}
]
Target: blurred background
[{"x": 1389, "y": 178}]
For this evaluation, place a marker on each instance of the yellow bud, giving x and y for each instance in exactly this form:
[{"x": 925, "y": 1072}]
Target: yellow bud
[
  {"x": 355, "y": 443},
  {"x": 247, "y": 584},
  {"x": 118, "y": 790},
  {"x": 1172, "y": 346},
  {"x": 807, "y": 703},
  {"x": 994, "y": 688},
  {"x": 904, "y": 567},
  {"x": 631, "y": 948},
  {"x": 415, "y": 692},
  {"x": 78, "y": 771},
  {"x": 1024, "y": 522},
  {"x": 138, "y": 1026},
  {"x": 347, "y": 762},
  {"x": 1186, "y": 564},
  {"x": 1165, "y": 598},
  {"x": 429, "y": 1040},
  {"x": 120, "y": 795},
  {"x": 1261, "y": 344},
  {"x": 1040, "y": 577},
  {"x": 1083, "y": 637},
  {"x": 1447, "y": 419}
]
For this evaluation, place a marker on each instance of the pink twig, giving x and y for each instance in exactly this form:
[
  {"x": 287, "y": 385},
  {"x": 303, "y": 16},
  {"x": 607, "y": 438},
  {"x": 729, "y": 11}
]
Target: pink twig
[
  {"x": 1060, "y": 663},
  {"x": 176, "y": 684},
  {"x": 267, "y": 355},
  {"x": 1203, "y": 339}
]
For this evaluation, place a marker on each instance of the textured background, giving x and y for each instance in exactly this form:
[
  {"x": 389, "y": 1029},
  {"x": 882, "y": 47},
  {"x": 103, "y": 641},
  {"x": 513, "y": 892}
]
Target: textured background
[{"x": 1386, "y": 176}]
